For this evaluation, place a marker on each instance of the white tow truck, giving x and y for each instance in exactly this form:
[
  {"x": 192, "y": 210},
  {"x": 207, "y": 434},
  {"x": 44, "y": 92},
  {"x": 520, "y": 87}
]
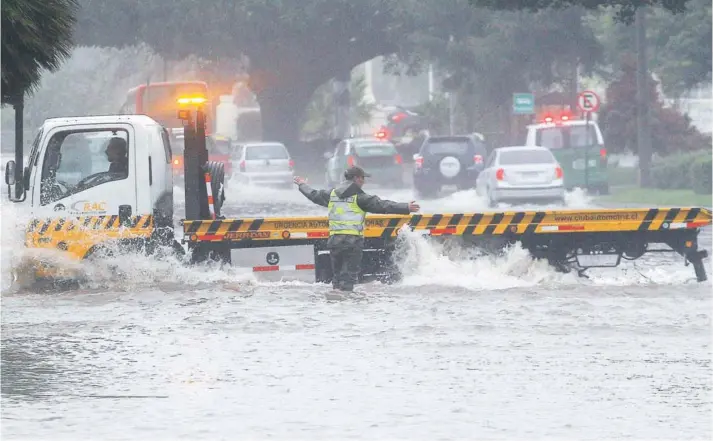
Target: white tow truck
[{"x": 83, "y": 199}]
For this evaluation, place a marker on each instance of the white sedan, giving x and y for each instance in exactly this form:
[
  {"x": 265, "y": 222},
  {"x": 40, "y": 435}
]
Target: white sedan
[{"x": 521, "y": 175}]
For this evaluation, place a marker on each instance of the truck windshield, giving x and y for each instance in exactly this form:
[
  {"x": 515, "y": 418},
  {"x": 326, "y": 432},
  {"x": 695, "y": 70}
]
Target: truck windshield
[
  {"x": 77, "y": 160},
  {"x": 35, "y": 152}
]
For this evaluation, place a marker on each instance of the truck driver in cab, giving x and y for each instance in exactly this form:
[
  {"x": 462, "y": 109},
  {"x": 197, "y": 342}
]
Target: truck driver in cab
[{"x": 116, "y": 155}]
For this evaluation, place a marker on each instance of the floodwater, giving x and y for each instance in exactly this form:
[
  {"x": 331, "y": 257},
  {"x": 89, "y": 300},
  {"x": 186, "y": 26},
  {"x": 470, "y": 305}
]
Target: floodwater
[{"x": 497, "y": 348}]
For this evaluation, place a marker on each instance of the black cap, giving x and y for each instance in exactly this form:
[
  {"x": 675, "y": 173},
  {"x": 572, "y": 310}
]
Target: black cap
[
  {"x": 354, "y": 172},
  {"x": 116, "y": 142}
]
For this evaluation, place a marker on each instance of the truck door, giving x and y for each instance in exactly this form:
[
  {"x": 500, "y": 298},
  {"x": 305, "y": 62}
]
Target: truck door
[{"x": 87, "y": 170}]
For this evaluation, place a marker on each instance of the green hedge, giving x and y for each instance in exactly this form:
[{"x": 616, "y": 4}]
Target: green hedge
[
  {"x": 684, "y": 171},
  {"x": 623, "y": 176}
]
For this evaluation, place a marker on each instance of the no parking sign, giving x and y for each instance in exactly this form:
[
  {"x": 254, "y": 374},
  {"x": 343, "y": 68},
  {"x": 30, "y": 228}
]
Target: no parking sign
[{"x": 588, "y": 101}]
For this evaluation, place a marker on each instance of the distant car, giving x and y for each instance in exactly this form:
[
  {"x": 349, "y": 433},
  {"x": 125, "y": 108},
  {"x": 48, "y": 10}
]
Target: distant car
[
  {"x": 447, "y": 160},
  {"x": 578, "y": 147},
  {"x": 377, "y": 157},
  {"x": 521, "y": 174},
  {"x": 263, "y": 163},
  {"x": 218, "y": 152}
]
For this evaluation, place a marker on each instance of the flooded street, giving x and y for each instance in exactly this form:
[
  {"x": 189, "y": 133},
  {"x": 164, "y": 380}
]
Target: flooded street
[
  {"x": 483, "y": 132},
  {"x": 408, "y": 363},
  {"x": 501, "y": 348}
]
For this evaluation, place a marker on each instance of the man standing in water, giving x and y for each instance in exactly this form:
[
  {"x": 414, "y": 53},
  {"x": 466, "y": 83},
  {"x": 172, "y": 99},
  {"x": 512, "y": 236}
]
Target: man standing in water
[{"x": 348, "y": 205}]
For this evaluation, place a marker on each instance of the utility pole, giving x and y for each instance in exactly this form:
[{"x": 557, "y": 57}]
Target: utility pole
[
  {"x": 451, "y": 102},
  {"x": 451, "y": 113},
  {"x": 431, "y": 83},
  {"x": 643, "y": 125}
]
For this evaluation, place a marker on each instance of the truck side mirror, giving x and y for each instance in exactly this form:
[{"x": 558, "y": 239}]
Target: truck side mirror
[
  {"x": 11, "y": 181},
  {"x": 10, "y": 177}
]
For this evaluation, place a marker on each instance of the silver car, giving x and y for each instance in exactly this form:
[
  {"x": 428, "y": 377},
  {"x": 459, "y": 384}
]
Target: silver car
[
  {"x": 521, "y": 174},
  {"x": 263, "y": 163}
]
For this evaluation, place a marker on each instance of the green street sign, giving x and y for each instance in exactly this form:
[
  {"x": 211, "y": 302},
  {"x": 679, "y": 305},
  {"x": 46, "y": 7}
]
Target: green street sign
[{"x": 523, "y": 103}]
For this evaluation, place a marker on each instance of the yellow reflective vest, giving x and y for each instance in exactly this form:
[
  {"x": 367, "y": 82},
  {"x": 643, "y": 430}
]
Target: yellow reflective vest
[{"x": 345, "y": 216}]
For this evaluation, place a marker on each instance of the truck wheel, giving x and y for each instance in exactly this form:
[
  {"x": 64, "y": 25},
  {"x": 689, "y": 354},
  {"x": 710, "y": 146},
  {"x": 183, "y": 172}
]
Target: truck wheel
[{"x": 217, "y": 181}]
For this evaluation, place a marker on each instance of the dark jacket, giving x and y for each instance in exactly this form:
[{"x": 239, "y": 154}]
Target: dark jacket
[
  {"x": 367, "y": 202},
  {"x": 120, "y": 167}
]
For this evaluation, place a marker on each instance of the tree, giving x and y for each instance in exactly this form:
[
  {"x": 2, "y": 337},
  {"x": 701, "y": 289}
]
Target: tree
[
  {"x": 36, "y": 35},
  {"x": 670, "y": 131},
  {"x": 679, "y": 45},
  {"x": 625, "y": 9},
  {"x": 92, "y": 81},
  {"x": 511, "y": 52},
  {"x": 293, "y": 46},
  {"x": 319, "y": 113}
]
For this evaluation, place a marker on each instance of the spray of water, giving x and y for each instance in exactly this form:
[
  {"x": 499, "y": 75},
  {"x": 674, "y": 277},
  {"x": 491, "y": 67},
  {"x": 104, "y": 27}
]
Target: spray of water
[
  {"x": 422, "y": 261},
  {"x": 425, "y": 262}
]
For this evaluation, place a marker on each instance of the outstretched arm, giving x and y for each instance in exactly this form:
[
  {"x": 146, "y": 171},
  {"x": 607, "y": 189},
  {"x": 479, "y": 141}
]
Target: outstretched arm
[
  {"x": 319, "y": 197},
  {"x": 374, "y": 204}
]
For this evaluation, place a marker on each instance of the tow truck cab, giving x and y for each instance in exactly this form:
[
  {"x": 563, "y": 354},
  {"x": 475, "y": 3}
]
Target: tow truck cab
[{"x": 74, "y": 177}]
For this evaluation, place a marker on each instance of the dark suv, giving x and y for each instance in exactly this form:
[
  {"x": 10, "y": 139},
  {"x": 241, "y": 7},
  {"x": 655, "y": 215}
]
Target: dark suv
[{"x": 447, "y": 160}]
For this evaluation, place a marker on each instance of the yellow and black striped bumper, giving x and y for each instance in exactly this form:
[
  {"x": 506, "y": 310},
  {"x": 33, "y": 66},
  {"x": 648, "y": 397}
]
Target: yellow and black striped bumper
[
  {"x": 78, "y": 235},
  {"x": 471, "y": 224}
]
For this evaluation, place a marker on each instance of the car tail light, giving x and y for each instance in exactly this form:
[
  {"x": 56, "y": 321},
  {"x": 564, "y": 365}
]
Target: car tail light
[
  {"x": 242, "y": 166},
  {"x": 292, "y": 164},
  {"x": 398, "y": 117},
  {"x": 418, "y": 161},
  {"x": 398, "y": 159},
  {"x": 500, "y": 174},
  {"x": 558, "y": 173},
  {"x": 603, "y": 152},
  {"x": 351, "y": 162},
  {"x": 478, "y": 159}
]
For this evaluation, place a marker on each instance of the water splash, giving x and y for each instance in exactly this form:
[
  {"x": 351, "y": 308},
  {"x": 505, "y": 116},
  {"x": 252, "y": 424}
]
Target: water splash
[{"x": 425, "y": 262}]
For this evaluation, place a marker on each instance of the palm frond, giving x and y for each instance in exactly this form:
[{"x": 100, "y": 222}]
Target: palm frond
[{"x": 36, "y": 36}]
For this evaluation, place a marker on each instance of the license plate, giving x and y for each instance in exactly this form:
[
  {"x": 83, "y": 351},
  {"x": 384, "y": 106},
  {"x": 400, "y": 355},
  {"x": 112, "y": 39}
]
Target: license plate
[{"x": 594, "y": 260}]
